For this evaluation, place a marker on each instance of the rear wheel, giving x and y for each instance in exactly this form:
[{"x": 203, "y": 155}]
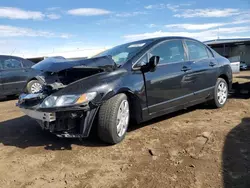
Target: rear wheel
[
  {"x": 220, "y": 93},
  {"x": 113, "y": 119},
  {"x": 34, "y": 86}
]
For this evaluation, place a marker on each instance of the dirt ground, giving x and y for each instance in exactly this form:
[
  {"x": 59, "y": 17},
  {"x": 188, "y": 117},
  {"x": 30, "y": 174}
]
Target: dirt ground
[{"x": 198, "y": 148}]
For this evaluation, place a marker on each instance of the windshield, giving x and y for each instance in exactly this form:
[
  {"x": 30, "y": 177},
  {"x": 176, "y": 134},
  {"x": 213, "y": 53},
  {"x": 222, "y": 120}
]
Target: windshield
[
  {"x": 123, "y": 53},
  {"x": 47, "y": 62}
]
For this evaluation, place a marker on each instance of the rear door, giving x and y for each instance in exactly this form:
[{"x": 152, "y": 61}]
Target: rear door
[
  {"x": 200, "y": 78},
  {"x": 14, "y": 75}
]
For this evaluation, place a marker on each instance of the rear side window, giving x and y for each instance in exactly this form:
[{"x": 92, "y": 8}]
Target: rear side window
[
  {"x": 215, "y": 53},
  {"x": 209, "y": 53},
  {"x": 11, "y": 64},
  {"x": 169, "y": 52},
  {"x": 196, "y": 50}
]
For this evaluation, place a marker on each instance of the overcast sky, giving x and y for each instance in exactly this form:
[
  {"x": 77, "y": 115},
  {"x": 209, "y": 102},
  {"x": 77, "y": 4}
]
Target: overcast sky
[{"x": 35, "y": 27}]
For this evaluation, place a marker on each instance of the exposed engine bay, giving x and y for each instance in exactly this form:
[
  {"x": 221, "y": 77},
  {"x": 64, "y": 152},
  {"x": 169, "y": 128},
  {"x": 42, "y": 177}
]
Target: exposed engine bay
[{"x": 58, "y": 74}]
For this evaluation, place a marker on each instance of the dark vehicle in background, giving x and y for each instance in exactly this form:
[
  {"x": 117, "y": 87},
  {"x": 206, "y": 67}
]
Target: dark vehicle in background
[
  {"x": 243, "y": 66},
  {"x": 14, "y": 74},
  {"x": 136, "y": 81}
]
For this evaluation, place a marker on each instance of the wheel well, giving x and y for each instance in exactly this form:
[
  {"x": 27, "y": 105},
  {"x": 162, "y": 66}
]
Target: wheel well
[
  {"x": 135, "y": 108},
  {"x": 225, "y": 78},
  {"x": 32, "y": 79}
]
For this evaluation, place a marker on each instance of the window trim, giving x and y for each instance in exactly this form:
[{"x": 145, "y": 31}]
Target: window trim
[
  {"x": 210, "y": 52},
  {"x": 185, "y": 41},
  {"x": 156, "y": 45},
  {"x": 14, "y": 68}
]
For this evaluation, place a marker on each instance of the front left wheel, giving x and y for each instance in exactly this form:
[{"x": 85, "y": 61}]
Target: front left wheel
[{"x": 113, "y": 119}]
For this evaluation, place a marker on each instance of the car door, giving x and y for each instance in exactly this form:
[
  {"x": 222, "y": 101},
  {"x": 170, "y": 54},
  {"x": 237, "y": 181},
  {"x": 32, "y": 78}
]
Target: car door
[
  {"x": 13, "y": 75},
  {"x": 163, "y": 85},
  {"x": 201, "y": 74}
]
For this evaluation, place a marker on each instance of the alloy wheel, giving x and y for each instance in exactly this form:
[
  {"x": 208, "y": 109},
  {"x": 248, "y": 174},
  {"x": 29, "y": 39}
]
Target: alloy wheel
[
  {"x": 36, "y": 87},
  {"x": 122, "y": 118},
  {"x": 222, "y": 93}
]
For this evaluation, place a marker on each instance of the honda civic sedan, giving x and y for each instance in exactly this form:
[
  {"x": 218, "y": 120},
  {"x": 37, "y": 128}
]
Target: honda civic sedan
[
  {"x": 14, "y": 74},
  {"x": 135, "y": 81}
]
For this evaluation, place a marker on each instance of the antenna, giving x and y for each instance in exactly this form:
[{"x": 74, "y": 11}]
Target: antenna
[
  {"x": 218, "y": 34},
  {"x": 13, "y": 51}
]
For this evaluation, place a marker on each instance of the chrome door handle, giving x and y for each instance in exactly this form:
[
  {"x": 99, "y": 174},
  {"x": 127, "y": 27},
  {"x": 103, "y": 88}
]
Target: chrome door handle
[{"x": 212, "y": 64}]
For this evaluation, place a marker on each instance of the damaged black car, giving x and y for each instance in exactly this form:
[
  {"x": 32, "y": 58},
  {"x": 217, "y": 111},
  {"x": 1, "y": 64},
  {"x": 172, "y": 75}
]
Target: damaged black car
[{"x": 136, "y": 81}]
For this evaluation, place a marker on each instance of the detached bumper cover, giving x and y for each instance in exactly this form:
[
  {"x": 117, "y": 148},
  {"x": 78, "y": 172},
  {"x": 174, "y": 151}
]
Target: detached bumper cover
[
  {"x": 42, "y": 116},
  {"x": 70, "y": 122}
]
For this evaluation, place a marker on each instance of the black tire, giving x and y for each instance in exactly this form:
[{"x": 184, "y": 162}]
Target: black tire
[
  {"x": 215, "y": 102},
  {"x": 107, "y": 120},
  {"x": 30, "y": 84}
]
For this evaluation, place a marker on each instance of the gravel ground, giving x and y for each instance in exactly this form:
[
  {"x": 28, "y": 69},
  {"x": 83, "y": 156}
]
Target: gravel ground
[{"x": 198, "y": 148}]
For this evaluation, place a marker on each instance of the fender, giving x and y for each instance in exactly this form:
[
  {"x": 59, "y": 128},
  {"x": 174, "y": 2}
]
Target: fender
[{"x": 135, "y": 105}]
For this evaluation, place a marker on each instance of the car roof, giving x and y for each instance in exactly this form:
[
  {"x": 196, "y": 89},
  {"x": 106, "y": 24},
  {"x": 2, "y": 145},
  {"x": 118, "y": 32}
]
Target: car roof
[
  {"x": 163, "y": 38},
  {"x": 9, "y": 56}
]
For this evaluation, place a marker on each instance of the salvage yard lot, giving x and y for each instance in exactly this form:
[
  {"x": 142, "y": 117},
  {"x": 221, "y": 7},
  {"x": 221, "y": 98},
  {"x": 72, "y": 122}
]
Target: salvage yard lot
[{"x": 198, "y": 147}]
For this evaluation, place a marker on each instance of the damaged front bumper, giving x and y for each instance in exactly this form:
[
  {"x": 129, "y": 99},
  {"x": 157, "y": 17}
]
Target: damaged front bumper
[{"x": 69, "y": 122}]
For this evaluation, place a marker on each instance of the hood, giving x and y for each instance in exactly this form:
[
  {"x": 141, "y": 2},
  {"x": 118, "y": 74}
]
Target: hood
[
  {"x": 101, "y": 81},
  {"x": 57, "y": 65}
]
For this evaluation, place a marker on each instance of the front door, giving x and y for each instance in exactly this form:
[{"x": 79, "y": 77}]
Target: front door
[
  {"x": 163, "y": 85},
  {"x": 13, "y": 76}
]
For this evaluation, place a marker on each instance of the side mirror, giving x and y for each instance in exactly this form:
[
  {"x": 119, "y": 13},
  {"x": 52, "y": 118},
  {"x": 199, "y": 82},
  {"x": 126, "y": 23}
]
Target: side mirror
[
  {"x": 147, "y": 66},
  {"x": 151, "y": 65},
  {"x": 153, "y": 61}
]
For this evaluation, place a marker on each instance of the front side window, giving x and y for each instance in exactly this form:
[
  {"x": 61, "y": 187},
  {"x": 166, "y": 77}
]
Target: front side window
[
  {"x": 27, "y": 64},
  {"x": 11, "y": 64},
  {"x": 169, "y": 52},
  {"x": 142, "y": 61},
  {"x": 196, "y": 50}
]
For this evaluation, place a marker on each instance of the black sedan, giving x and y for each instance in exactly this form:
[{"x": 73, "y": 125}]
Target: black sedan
[
  {"x": 136, "y": 81},
  {"x": 14, "y": 74}
]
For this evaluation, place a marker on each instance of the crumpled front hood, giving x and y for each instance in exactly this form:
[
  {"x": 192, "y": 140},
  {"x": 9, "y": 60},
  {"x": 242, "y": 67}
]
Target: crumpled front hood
[{"x": 105, "y": 62}]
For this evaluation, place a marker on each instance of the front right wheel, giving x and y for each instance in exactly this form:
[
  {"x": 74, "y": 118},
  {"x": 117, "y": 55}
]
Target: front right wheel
[
  {"x": 220, "y": 93},
  {"x": 34, "y": 86},
  {"x": 113, "y": 119}
]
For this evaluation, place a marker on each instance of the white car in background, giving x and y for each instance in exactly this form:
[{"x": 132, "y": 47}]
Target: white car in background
[{"x": 235, "y": 63}]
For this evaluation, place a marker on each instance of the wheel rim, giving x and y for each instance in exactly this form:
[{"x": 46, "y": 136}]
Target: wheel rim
[
  {"x": 122, "y": 118},
  {"x": 36, "y": 87},
  {"x": 222, "y": 93}
]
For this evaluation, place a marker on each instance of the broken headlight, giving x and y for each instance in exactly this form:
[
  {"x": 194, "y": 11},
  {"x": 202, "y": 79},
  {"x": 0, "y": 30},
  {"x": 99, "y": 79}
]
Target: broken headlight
[{"x": 67, "y": 100}]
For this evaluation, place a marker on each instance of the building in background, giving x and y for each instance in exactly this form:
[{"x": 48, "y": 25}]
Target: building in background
[{"x": 236, "y": 50}]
